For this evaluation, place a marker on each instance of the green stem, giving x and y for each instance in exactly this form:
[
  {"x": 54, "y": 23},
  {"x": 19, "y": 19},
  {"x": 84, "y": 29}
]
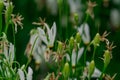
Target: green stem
[
  {"x": 31, "y": 52},
  {"x": 14, "y": 42},
  {"x": 77, "y": 55},
  {"x": 60, "y": 18},
  {"x": 85, "y": 54},
  {"x": 102, "y": 74},
  {"x": 87, "y": 16},
  {"x": 0, "y": 22},
  {"x": 66, "y": 12},
  {"x": 94, "y": 52},
  {"x": 71, "y": 63},
  {"x": 89, "y": 78},
  {"x": 6, "y": 28}
]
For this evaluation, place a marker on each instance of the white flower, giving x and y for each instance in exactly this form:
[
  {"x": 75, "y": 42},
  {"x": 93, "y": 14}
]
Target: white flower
[
  {"x": 27, "y": 76},
  {"x": 49, "y": 37},
  {"x": 21, "y": 74},
  {"x": 7, "y": 48},
  {"x": 38, "y": 48},
  {"x": 74, "y": 56},
  {"x": 39, "y": 54},
  {"x": 75, "y": 5},
  {"x": 85, "y": 33},
  {"x": 115, "y": 18},
  {"x": 30, "y": 72},
  {"x": 52, "y": 6},
  {"x": 96, "y": 73},
  {"x": 11, "y": 52}
]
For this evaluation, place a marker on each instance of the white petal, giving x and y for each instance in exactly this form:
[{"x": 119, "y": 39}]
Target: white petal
[
  {"x": 115, "y": 17},
  {"x": 6, "y": 52},
  {"x": 30, "y": 72},
  {"x": 21, "y": 74},
  {"x": 80, "y": 29},
  {"x": 51, "y": 34},
  {"x": 43, "y": 36},
  {"x": 36, "y": 56},
  {"x": 84, "y": 31},
  {"x": 68, "y": 57},
  {"x": 96, "y": 73},
  {"x": 11, "y": 52},
  {"x": 87, "y": 32},
  {"x": 32, "y": 38},
  {"x": 80, "y": 52},
  {"x": 73, "y": 57},
  {"x": 53, "y": 31},
  {"x": 48, "y": 30},
  {"x": 52, "y": 6},
  {"x": 41, "y": 50}
]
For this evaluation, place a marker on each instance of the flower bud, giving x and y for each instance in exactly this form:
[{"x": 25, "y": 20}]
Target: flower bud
[
  {"x": 91, "y": 68},
  {"x": 107, "y": 58},
  {"x": 76, "y": 17},
  {"x": 96, "y": 40},
  {"x": 33, "y": 31},
  {"x": 23, "y": 67},
  {"x": 71, "y": 43},
  {"x": 8, "y": 11},
  {"x": 1, "y": 6},
  {"x": 66, "y": 70},
  {"x": 78, "y": 37},
  {"x": 60, "y": 47}
]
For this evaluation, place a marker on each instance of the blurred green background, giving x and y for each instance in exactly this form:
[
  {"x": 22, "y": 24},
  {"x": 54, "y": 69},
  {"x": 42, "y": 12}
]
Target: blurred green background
[{"x": 104, "y": 19}]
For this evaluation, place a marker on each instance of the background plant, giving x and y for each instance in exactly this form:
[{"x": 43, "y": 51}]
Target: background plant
[{"x": 100, "y": 23}]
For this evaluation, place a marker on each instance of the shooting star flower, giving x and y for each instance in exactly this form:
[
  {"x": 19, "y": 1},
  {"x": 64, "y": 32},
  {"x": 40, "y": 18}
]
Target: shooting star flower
[{"x": 85, "y": 33}]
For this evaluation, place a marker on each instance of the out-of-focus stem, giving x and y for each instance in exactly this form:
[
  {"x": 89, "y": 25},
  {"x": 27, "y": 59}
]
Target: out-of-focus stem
[{"x": 0, "y": 22}]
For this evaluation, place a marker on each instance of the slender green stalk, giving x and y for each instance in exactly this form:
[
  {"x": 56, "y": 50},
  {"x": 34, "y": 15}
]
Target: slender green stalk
[
  {"x": 76, "y": 59},
  {"x": 94, "y": 52},
  {"x": 89, "y": 77},
  {"x": 85, "y": 52},
  {"x": 0, "y": 22},
  {"x": 14, "y": 41},
  {"x": 60, "y": 17},
  {"x": 71, "y": 64},
  {"x": 87, "y": 16},
  {"x": 6, "y": 28},
  {"x": 102, "y": 74},
  {"x": 66, "y": 10}
]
